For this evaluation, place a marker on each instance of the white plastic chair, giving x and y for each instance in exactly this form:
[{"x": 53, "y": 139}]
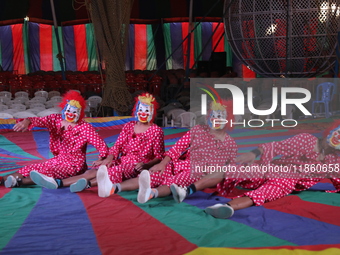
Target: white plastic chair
[
  {"x": 187, "y": 119},
  {"x": 97, "y": 99},
  {"x": 4, "y": 115},
  {"x": 36, "y": 105},
  {"x": 9, "y": 103},
  {"x": 200, "y": 119},
  {"x": 41, "y": 93},
  {"x": 6, "y": 94},
  {"x": 10, "y": 111},
  {"x": 21, "y": 94},
  {"x": 19, "y": 107},
  {"x": 57, "y": 99},
  {"x": 53, "y": 93},
  {"x": 87, "y": 111},
  {"x": 91, "y": 108},
  {"x": 51, "y": 104},
  {"x": 38, "y": 99},
  {"x": 172, "y": 116},
  {"x": 48, "y": 112},
  {"x": 24, "y": 114},
  {"x": 35, "y": 110},
  {"x": 92, "y": 104},
  {"x": 4, "y": 99},
  {"x": 21, "y": 100},
  {"x": 3, "y": 107}
]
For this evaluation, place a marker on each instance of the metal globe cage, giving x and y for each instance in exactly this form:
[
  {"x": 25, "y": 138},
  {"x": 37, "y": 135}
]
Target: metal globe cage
[{"x": 283, "y": 38}]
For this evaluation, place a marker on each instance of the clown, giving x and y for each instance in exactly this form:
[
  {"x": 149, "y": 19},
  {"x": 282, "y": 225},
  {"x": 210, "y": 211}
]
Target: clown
[
  {"x": 69, "y": 137},
  {"x": 144, "y": 109}
]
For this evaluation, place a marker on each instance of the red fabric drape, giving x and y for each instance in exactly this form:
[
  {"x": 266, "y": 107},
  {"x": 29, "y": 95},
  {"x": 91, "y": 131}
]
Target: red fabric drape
[
  {"x": 80, "y": 47},
  {"x": 46, "y": 47},
  {"x": 141, "y": 47}
]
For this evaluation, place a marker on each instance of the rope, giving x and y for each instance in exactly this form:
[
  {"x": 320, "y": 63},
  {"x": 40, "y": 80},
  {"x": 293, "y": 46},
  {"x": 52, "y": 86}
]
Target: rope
[{"x": 111, "y": 19}]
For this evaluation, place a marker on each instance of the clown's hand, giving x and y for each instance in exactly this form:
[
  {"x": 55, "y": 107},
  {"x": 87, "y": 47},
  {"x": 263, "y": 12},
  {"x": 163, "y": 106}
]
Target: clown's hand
[
  {"x": 106, "y": 162},
  {"x": 22, "y": 125},
  {"x": 158, "y": 168},
  {"x": 140, "y": 166},
  {"x": 97, "y": 163}
]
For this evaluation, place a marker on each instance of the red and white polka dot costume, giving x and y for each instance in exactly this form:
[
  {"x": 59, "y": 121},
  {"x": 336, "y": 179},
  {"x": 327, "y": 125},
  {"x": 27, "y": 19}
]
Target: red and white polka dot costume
[
  {"x": 297, "y": 150},
  {"x": 134, "y": 148},
  {"x": 67, "y": 145},
  {"x": 197, "y": 148}
]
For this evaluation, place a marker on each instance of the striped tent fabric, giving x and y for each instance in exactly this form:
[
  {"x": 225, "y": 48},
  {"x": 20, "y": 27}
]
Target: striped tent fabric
[
  {"x": 12, "y": 48},
  {"x": 141, "y": 50},
  {"x": 31, "y": 46},
  {"x": 43, "y": 47},
  {"x": 176, "y": 43},
  {"x": 80, "y": 48}
]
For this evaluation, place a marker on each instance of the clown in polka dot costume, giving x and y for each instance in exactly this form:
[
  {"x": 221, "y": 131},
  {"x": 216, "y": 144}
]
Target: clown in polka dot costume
[
  {"x": 302, "y": 149},
  {"x": 69, "y": 137},
  {"x": 140, "y": 145}
]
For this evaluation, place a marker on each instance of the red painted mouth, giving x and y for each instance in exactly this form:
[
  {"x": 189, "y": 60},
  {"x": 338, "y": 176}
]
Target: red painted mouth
[
  {"x": 143, "y": 117},
  {"x": 215, "y": 125},
  {"x": 70, "y": 117},
  {"x": 335, "y": 140}
]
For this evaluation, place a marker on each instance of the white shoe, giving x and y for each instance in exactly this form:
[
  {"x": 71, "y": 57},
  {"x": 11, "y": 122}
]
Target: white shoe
[
  {"x": 178, "y": 193},
  {"x": 220, "y": 211},
  {"x": 43, "y": 180},
  {"x": 11, "y": 182},
  {"x": 79, "y": 185},
  {"x": 103, "y": 181},
  {"x": 144, "y": 191}
]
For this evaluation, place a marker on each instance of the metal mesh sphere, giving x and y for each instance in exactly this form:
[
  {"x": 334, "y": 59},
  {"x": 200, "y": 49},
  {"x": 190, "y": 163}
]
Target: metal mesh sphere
[{"x": 291, "y": 38}]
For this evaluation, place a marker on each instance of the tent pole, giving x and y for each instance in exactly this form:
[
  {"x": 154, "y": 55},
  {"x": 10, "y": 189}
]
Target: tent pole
[
  {"x": 59, "y": 55},
  {"x": 187, "y": 67}
]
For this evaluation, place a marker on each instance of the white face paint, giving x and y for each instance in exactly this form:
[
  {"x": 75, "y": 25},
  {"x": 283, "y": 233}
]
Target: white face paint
[
  {"x": 214, "y": 115},
  {"x": 71, "y": 113},
  {"x": 144, "y": 112}
]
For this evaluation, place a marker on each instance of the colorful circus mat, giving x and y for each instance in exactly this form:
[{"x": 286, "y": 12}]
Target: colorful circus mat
[{"x": 35, "y": 220}]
